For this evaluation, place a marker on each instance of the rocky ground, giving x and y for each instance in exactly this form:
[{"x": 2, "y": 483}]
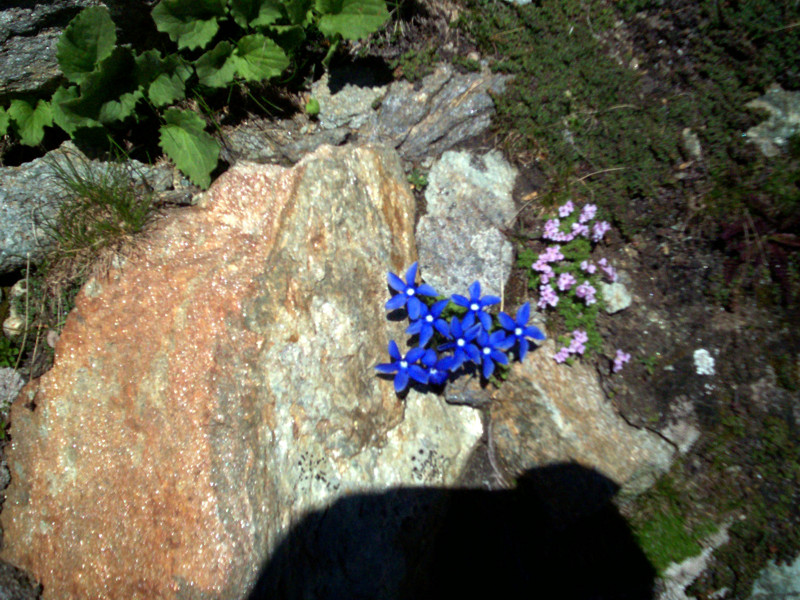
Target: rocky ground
[{"x": 639, "y": 107}]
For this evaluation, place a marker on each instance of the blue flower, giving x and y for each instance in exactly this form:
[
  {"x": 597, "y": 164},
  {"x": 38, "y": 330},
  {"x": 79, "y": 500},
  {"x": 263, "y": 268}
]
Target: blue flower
[
  {"x": 438, "y": 369},
  {"x": 520, "y": 329},
  {"x": 408, "y": 292},
  {"x": 475, "y": 304},
  {"x": 462, "y": 334},
  {"x": 493, "y": 347},
  {"x": 427, "y": 320},
  {"x": 404, "y": 366}
]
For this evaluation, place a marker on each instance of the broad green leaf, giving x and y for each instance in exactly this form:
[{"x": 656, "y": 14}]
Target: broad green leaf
[
  {"x": 88, "y": 39},
  {"x": 166, "y": 89},
  {"x": 269, "y": 12},
  {"x": 4, "y": 121},
  {"x": 288, "y": 37},
  {"x": 66, "y": 118},
  {"x": 257, "y": 58},
  {"x": 109, "y": 93},
  {"x": 352, "y": 19},
  {"x": 216, "y": 68},
  {"x": 163, "y": 78},
  {"x": 184, "y": 139},
  {"x": 189, "y": 23},
  {"x": 298, "y": 11},
  {"x": 30, "y": 122}
]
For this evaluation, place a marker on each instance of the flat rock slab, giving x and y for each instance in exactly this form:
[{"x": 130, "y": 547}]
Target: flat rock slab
[{"x": 221, "y": 384}]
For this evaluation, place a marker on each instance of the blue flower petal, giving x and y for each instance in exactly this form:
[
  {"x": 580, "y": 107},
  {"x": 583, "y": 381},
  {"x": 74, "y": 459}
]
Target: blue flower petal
[
  {"x": 506, "y": 321},
  {"x": 475, "y": 291},
  {"x": 418, "y": 374},
  {"x": 473, "y": 353},
  {"x": 460, "y": 300},
  {"x": 395, "y": 302},
  {"x": 414, "y": 307},
  {"x": 415, "y": 327},
  {"x": 387, "y": 368},
  {"x": 442, "y": 327},
  {"x": 395, "y": 282},
  {"x": 425, "y": 334},
  {"x": 394, "y": 351},
  {"x": 488, "y": 368},
  {"x": 438, "y": 307},
  {"x": 489, "y": 301},
  {"x": 429, "y": 359},
  {"x": 534, "y": 332},
  {"x": 485, "y": 319},
  {"x": 522, "y": 350},
  {"x": 401, "y": 380},
  {"x": 414, "y": 355},
  {"x": 523, "y": 314},
  {"x": 411, "y": 275},
  {"x": 426, "y": 290},
  {"x": 499, "y": 357},
  {"x": 472, "y": 332}
]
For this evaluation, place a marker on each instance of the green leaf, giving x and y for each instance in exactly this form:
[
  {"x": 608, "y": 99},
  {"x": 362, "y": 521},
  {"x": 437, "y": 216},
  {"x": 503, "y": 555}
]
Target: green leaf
[
  {"x": 109, "y": 93},
  {"x": 216, "y": 68},
  {"x": 164, "y": 79},
  {"x": 269, "y": 12},
  {"x": 184, "y": 140},
  {"x": 30, "y": 122},
  {"x": 288, "y": 37},
  {"x": 166, "y": 89},
  {"x": 88, "y": 39},
  {"x": 352, "y": 19},
  {"x": 66, "y": 118},
  {"x": 257, "y": 57},
  {"x": 298, "y": 11},
  {"x": 190, "y": 23},
  {"x": 4, "y": 121}
]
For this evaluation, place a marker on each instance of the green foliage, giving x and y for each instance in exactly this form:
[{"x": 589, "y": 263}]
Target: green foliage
[
  {"x": 109, "y": 84},
  {"x": 8, "y": 353},
  {"x": 29, "y": 121},
  {"x": 417, "y": 179},
  {"x": 184, "y": 140},
  {"x": 312, "y": 107}
]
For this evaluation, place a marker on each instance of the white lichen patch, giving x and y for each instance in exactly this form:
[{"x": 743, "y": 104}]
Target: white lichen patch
[{"x": 703, "y": 362}]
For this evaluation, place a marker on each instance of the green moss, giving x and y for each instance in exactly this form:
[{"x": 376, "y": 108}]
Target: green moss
[{"x": 416, "y": 64}]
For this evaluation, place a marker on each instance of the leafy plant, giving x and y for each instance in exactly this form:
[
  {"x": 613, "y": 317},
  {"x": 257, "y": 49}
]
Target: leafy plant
[
  {"x": 8, "y": 353},
  {"x": 108, "y": 84}
]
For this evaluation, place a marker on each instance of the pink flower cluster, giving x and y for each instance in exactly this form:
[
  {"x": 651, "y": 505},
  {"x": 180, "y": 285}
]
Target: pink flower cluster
[
  {"x": 552, "y": 228},
  {"x": 577, "y": 345},
  {"x": 619, "y": 360}
]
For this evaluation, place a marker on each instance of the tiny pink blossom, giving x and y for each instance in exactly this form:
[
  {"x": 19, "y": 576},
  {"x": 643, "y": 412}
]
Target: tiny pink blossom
[
  {"x": 588, "y": 267},
  {"x": 580, "y": 229},
  {"x": 566, "y": 209},
  {"x": 547, "y": 296},
  {"x": 552, "y": 254},
  {"x": 599, "y": 229},
  {"x": 587, "y": 292},
  {"x": 551, "y": 231},
  {"x": 588, "y": 213},
  {"x": 580, "y": 335},
  {"x": 619, "y": 360},
  {"x": 562, "y": 355},
  {"x": 566, "y": 281}
]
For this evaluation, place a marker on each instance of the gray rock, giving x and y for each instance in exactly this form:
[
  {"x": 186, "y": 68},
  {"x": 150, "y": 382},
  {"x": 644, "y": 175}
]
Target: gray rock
[
  {"x": 11, "y": 383},
  {"x": 31, "y": 194},
  {"x": 784, "y": 120},
  {"x": 691, "y": 143},
  {"x": 16, "y": 584},
  {"x": 352, "y": 99},
  {"x": 459, "y": 239},
  {"x": 778, "y": 581},
  {"x": 446, "y": 109},
  {"x": 616, "y": 297}
]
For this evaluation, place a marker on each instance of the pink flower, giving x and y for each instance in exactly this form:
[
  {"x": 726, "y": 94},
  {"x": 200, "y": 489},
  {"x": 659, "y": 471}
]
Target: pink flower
[
  {"x": 566, "y": 209},
  {"x": 610, "y": 272},
  {"x": 551, "y": 231},
  {"x": 552, "y": 254},
  {"x": 580, "y": 229},
  {"x": 619, "y": 360},
  {"x": 588, "y": 213},
  {"x": 578, "y": 343},
  {"x": 566, "y": 281},
  {"x": 599, "y": 229},
  {"x": 588, "y": 267},
  {"x": 547, "y": 296},
  {"x": 580, "y": 335},
  {"x": 562, "y": 355},
  {"x": 587, "y": 292}
]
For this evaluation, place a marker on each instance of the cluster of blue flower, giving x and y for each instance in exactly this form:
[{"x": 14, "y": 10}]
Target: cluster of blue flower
[{"x": 463, "y": 341}]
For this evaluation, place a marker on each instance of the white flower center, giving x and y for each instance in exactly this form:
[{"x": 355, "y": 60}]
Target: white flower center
[
  {"x": 433, "y": 371},
  {"x": 487, "y": 351},
  {"x": 460, "y": 342},
  {"x": 410, "y": 291},
  {"x": 518, "y": 331},
  {"x": 429, "y": 318},
  {"x": 474, "y": 306},
  {"x": 403, "y": 364}
]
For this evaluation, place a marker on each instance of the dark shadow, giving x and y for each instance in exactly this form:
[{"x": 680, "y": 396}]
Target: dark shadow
[
  {"x": 557, "y": 535},
  {"x": 361, "y": 72}
]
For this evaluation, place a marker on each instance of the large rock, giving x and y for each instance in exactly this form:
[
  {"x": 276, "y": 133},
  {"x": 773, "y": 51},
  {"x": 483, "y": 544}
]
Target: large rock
[
  {"x": 220, "y": 385},
  {"x": 31, "y": 195},
  {"x": 548, "y": 413}
]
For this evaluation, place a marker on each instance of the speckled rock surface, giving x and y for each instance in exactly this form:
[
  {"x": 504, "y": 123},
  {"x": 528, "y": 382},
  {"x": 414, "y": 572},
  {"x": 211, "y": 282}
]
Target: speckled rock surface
[
  {"x": 221, "y": 385},
  {"x": 459, "y": 238},
  {"x": 549, "y": 413},
  {"x": 782, "y": 109}
]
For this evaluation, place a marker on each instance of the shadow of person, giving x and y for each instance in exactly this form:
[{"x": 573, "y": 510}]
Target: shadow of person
[{"x": 556, "y": 535}]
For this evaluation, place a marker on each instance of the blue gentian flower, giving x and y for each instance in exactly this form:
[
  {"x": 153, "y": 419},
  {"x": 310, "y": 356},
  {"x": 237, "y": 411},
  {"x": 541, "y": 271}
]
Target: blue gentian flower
[
  {"x": 408, "y": 292},
  {"x": 475, "y": 304},
  {"x": 462, "y": 334},
  {"x": 427, "y": 321},
  {"x": 438, "y": 369},
  {"x": 520, "y": 330},
  {"x": 492, "y": 350},
  {"x": 404, "y": 366}
]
